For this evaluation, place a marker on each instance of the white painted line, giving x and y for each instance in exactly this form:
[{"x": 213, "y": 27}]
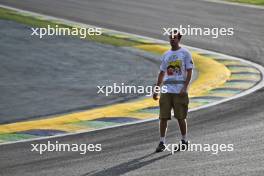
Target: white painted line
[
  {"x": 255, "y": 88},
  {"x": 235, "y": 4}
]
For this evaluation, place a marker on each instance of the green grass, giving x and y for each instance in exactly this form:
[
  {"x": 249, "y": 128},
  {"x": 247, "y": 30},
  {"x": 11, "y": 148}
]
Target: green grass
[
  {"x": 15, "y": 137},
  {"x": 255, "y": 2},
  {"x": 6, "y": 14}
]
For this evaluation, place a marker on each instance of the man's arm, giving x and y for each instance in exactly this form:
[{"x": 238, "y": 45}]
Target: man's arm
[
  {"x": 159, "y": 81},
  {"x": 187, "y": 81}
]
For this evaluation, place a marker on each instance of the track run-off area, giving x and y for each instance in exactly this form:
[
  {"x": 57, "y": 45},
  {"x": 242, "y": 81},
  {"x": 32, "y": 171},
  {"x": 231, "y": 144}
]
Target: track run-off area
[
  {"x": 219, "y": 78},
  {"x": 128, "y": 150}
]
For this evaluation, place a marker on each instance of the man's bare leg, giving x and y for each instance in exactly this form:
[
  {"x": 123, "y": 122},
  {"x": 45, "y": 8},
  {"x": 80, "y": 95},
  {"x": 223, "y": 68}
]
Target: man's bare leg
[
  {"x": 183, "y": 128},
  {"x": 163, "y": 128}
]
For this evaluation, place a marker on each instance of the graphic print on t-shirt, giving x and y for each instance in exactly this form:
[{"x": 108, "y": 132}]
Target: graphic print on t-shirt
[
  {"x": 174, "y": 67},
  {"x": 175, "y": 64}
]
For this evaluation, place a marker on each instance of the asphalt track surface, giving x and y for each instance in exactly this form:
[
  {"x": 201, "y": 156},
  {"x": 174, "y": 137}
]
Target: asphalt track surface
[
  {"x": 52, "y": 75},
  {"x": 128, "y": 150}
]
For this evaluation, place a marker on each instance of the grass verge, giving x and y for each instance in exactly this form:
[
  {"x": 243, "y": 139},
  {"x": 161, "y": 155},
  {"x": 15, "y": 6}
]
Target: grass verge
[
  {"x": 6, "y": 14},
  {"x": 254, "y": 2}
]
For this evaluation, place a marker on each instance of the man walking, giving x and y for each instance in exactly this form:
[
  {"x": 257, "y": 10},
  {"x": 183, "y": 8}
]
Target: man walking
[{"x": 175, "y": 75}]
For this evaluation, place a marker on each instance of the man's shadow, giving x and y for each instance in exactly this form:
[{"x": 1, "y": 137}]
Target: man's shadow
[{"x": 127, "y": 166}]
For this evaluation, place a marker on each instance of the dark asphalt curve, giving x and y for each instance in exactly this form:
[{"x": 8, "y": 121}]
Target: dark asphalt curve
[
  {"x": 148, "y": 17},
  {"x": 128, "y": 150},
  {"x": 52, "y": 75}
]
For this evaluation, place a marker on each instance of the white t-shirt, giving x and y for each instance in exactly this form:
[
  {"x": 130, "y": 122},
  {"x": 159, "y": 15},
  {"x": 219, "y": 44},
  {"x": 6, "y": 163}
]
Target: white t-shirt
[{"x": 175, "y": 64}]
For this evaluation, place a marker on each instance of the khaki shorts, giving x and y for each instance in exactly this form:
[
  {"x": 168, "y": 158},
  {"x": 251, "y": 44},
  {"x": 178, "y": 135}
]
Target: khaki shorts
[{"x": 179, "y": 104}]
